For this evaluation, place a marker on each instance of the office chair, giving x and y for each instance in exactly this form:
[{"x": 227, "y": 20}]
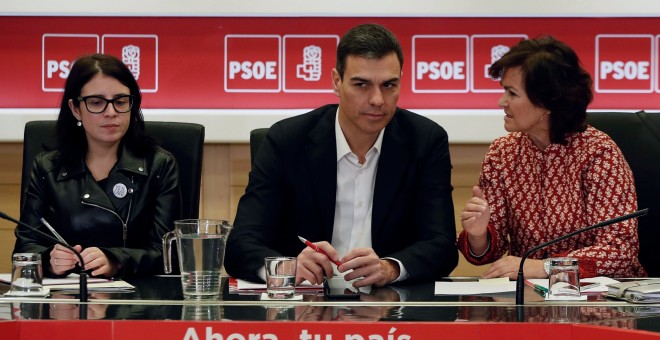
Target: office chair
[
  {"x": 256, "y": 137},
  {"x": 184, "y": 140},
  {"x": 638, "y": 136}
]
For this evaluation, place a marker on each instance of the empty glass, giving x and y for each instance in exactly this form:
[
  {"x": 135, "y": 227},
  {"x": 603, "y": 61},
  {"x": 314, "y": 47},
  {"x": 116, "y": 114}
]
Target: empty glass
[
  {"x": 26, "y": 273},
  {"x": 564, "y": 279}
]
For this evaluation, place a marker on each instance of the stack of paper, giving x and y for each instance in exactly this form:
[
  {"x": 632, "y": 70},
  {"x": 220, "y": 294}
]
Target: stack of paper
[
  {"x": 72, "y": 281},
  {"x": 238, "y": 286},
  {"x": 639, "y": 291},
  {"x": 482, "y": 286}
]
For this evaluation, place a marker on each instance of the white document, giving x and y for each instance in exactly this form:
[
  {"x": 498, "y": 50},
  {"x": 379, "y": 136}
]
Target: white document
[
  {"x": 249, "y": 285},
  {"x": 71, "y": 282},
  {"x": 473, "y": 288}
]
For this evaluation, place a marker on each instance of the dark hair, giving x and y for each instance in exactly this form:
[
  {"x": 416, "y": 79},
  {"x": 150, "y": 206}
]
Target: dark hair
[
  {"x": 371, "y": 41},
  {"x": 71, "y": 139},
  {"x": 554, "y": 79}
]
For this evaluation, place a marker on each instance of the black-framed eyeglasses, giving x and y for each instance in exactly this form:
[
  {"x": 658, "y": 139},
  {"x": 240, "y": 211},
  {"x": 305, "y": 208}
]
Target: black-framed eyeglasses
[{"x": 98, "y": 104}]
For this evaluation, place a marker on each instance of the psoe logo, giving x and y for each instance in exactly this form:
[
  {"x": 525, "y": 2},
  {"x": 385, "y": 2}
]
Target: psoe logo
[
  {"x": 58, "y": 53},
  {"x": 130, "y": 55},
  {"x": 625, "y": 63},
  {"x": 252, "y": 63},
  {"x": 307, "y": 61},
  {"x": 440, "y": 64},
  {"x": 310, "y": 69},
  {"x": 486, "y": 49},
  {"x": 139, "y": 52}
]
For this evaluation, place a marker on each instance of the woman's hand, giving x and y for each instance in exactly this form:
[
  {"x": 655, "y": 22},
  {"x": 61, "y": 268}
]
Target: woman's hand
[
  {"x": 508, "y": 267},
  {"x": 96, "y": 260},
  {"x": 474, "y": 219},
  {"x": 62, "y": 259}
]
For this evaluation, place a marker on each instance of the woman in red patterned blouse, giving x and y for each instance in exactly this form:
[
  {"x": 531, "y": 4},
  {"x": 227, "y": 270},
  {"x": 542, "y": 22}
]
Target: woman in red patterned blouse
[{"x": 552, "y": 174}]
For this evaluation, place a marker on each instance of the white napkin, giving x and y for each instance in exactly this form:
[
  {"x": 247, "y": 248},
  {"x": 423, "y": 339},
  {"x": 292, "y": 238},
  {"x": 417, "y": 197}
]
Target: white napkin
[{"x": 45, "y": 291}]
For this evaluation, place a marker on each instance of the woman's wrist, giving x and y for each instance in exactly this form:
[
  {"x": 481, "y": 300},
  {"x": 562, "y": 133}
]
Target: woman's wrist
[{"x": 479, "y": 247}]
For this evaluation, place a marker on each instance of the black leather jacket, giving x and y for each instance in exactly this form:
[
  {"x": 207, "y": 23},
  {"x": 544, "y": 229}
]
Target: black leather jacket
[{"x": 126, "y": 221}]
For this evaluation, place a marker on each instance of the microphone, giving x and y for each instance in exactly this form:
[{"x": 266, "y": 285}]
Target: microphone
[
  {"x": 83, "y": 274},
  {"x": 520, "y": 281}
]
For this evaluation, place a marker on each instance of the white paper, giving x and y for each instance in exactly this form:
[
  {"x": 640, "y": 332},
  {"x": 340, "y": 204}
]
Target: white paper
[
  {"x": 495, "y": 281},
  {"x": 71, "y": 282},
  {"x": 549, "y": 297},
  {"x": 43, "y": 293},
  {"x": 604, "y": 281},
  {"x": 296, "y": 297},
  {"x": 472, "y": 288},
  {"x": 249, "y": 285},
  {"x": 108, "y": 286}
]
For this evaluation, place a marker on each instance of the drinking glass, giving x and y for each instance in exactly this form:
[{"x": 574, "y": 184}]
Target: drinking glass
[
  {"x": 280, "y": 277},
  {"x": 564, "y": 279},
  {"x": 26, "y": 273}
]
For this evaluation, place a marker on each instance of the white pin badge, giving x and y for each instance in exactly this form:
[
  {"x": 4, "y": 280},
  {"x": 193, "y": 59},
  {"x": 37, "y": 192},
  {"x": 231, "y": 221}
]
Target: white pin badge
[{"x": 119, "y": 190}]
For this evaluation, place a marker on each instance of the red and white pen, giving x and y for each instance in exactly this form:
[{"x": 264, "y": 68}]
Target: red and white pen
[{"x": 318, "y": 250}]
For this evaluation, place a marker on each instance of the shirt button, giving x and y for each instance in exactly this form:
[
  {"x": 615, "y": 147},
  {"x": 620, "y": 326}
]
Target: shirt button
[
  {"x": 140, "y": 169},
  {"x": 86, "y": 196},
  {"x": 359, "y": 204}
]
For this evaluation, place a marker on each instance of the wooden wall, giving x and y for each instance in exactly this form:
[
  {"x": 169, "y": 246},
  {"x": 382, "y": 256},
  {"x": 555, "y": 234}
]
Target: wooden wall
[{"x": 225, "y": 175}]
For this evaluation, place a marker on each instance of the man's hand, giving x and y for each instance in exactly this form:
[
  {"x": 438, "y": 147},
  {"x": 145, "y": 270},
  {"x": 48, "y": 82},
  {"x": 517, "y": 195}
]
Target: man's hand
[
  {"x": 313, "y": 266},
  {"x": 366, "y": 264}
]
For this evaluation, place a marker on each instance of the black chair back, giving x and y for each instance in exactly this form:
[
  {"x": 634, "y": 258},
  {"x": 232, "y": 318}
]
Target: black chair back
[
  {"x": 184, "y": 140},
  {"x": 256, "y": 137},
  {"x": 638, "y": 137}
]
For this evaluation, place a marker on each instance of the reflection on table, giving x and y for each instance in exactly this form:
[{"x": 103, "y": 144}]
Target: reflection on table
[{"x": 160, "y": 298}]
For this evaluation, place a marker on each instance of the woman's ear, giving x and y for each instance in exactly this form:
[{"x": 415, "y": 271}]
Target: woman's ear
[{"x": 74, "y": 109}]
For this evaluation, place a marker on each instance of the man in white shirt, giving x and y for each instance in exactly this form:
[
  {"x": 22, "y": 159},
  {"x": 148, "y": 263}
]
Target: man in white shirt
[{"x": 366, "y": 181}]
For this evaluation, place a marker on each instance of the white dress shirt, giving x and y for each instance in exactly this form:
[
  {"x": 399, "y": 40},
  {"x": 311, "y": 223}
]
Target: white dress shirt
[{"x": 355, "y": 196}]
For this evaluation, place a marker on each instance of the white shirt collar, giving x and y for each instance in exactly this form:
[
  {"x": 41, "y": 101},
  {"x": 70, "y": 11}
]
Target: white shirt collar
[{"x": 342, "y": 144}]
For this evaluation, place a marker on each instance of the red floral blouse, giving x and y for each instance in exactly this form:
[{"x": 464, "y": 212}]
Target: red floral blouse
[{"x": 536, "y": 196}]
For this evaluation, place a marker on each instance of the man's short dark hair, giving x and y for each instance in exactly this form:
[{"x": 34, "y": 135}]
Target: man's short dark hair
[{"x": 371, "y": 41}]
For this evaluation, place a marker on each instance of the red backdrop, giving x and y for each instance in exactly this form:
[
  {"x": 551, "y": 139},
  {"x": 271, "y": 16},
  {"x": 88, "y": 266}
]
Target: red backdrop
[{"x": 278, "y": 63}]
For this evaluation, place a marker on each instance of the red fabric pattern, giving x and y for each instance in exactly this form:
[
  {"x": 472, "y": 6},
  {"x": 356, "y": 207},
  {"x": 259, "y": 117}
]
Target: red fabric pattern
[{"x": 536, "y": 196}]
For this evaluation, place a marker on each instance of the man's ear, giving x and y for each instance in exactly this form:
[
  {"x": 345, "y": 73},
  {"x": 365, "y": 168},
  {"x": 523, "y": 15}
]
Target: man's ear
[{"x": 336, "y": 81}]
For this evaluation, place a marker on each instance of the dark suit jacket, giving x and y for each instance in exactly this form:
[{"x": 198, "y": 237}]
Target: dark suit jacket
[{"x": 292, "y": 186}]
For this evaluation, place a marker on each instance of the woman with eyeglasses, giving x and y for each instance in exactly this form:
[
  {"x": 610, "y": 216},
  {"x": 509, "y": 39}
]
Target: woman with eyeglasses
[{"x": 107, "y": 189}]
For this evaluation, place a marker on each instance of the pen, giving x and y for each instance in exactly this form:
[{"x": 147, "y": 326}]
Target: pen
[
  {"x": 318, "y": 250},
  {"x": 52, "y": 230},
  {"x": 59, "y": 237},
  {"x": 538, "y": 288}
]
